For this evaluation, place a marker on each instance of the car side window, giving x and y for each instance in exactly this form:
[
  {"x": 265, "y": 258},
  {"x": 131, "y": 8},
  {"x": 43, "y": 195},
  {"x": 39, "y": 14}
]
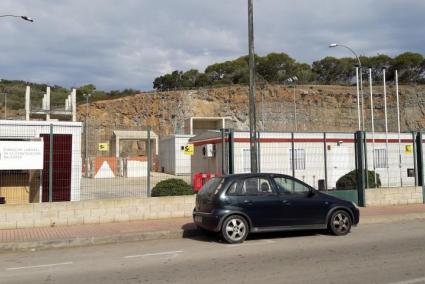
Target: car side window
[
  {"x": 290, "y": 186},
  {"x": 257, "y": 186},
  {"x": 235, "y": 189}
]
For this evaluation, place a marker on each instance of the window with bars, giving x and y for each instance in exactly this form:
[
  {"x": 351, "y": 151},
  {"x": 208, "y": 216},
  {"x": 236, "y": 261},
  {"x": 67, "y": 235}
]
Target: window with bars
[
  {"x": 299, "y": 159},
  {"x": 381, "y": 159}
]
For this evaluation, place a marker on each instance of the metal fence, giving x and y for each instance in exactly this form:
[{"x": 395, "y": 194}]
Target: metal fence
[
  {"x": 79, "y": 163},
  {"x": 319, "y": 159}
]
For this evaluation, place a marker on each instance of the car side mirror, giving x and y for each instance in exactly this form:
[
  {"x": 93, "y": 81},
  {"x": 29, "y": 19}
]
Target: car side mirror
[{"x": 311, "y": 192}]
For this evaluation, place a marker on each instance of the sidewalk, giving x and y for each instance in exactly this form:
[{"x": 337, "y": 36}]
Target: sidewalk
[{"x": 84, "y": 235}]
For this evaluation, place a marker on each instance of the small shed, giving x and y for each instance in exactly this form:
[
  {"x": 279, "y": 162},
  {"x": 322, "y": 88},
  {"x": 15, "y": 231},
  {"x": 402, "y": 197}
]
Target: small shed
[
  {"x": 172, "y": 157},
  {"x": 25, "y": 161}
]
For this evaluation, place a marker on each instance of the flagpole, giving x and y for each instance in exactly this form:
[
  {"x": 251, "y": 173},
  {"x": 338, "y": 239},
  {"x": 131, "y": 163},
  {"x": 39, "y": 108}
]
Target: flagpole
[
  {"x": 398, "y": 125},
  {"x": 373, "y": 124}
]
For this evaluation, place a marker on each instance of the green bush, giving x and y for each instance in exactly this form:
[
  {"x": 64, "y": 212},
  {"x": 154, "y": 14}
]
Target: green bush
[
  {"x": 349, "y": 181},
  {"x": 172, "y": 187}
]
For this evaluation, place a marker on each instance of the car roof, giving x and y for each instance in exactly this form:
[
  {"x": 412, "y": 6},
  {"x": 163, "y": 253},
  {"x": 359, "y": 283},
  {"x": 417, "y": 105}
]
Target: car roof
[{"x": 247, "y": 175}]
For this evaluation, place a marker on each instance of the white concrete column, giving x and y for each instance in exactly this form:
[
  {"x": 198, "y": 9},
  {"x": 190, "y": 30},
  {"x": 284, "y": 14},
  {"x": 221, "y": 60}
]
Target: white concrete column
[
  {"x": 74, "y": 104},
  {"x": 27, "y": 103},
  {"x": 48, "y": 103}
]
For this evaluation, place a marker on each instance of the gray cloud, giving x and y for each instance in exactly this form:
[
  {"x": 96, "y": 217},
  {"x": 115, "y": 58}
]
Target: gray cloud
[{"x": 127, "y": 43}]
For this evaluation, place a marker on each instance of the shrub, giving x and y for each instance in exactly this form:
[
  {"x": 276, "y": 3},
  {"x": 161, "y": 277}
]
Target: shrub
[
  {"x": 171, "y": 187},
  {"x": 349, "y": 181}
]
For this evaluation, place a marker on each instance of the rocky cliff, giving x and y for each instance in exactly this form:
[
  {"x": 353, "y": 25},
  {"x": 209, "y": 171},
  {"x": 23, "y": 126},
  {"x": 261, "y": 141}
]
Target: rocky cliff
[{"x": 318, "y": 108}]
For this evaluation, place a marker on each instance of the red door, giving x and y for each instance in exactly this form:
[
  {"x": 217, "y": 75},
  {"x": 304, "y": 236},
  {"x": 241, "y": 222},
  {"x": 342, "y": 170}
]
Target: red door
[{"x": 62, "y": 159}]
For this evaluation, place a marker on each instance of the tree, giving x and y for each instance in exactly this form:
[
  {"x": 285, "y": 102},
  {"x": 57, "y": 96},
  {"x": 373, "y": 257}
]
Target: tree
[
  {"x": 409, "y": 66},
  {"x": 276, "y": 67},
  {"x": 332, "y": 70}
]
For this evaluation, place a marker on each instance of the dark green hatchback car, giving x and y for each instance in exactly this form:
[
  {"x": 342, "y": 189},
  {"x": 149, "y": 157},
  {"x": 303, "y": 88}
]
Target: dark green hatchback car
[{"x": 236, "y": 205}]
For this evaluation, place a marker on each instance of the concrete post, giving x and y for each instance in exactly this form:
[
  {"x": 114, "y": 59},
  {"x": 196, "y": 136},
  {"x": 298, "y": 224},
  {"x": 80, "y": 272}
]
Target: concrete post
[
  {"x": 27, "y": 103},
  {"x": 48, "y": 103},
  {"x": 74, "y": 104}
]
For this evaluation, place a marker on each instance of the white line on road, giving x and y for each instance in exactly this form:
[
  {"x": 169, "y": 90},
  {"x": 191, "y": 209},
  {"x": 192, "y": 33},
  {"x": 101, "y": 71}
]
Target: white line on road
[
  {"x": 411, "y": 281},
  {"x": 40, "y": 266},
  {"x": 253, "y": 243},
  {"x": 155, "y": 254}
]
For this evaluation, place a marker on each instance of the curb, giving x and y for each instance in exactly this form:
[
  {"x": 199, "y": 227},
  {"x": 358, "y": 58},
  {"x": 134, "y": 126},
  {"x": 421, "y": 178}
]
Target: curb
[
  {"x": 384, "y": 219},
  {"x": 93, "y": 241},
  {"x": 161, "y": 235}
]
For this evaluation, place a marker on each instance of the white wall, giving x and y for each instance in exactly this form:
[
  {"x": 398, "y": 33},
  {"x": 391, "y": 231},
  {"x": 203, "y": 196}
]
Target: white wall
[{"x": 32, "y": 129}]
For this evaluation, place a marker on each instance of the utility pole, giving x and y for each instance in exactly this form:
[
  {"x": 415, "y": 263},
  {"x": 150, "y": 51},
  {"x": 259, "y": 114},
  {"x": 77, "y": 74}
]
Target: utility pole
[{"x": 252, "y": 111}]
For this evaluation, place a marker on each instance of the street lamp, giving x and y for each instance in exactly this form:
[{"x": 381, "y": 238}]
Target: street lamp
[
  {"x": 360, "y": 115},
  {"x": 28, "y": 19},
  {"x": 25, "y": 18},
  {"x": 86, "y": 153}
]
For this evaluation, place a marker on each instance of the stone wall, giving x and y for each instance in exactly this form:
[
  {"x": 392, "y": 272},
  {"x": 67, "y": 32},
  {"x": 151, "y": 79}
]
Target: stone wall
[
  {"x": 393, "y": 196},
  {"x": 94, "y": 211}
]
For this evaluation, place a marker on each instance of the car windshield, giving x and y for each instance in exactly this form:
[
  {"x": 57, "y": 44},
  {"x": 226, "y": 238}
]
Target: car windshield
[{"x": 209, "y": 188}]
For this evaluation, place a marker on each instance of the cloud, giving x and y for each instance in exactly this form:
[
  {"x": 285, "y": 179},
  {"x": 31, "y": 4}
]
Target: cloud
[{"x": 127, "y": 43}]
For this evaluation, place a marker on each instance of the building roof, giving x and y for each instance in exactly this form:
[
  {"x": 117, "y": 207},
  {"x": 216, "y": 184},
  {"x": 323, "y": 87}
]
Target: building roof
[{"x": 132, "y": 134}]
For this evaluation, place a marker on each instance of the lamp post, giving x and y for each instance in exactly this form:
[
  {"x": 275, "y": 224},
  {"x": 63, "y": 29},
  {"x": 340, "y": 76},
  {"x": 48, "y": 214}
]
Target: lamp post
[
  {"x": 25, "y": 18},
  {"x": 86, "y": 153},
  {"x": 360, "y": 115}
]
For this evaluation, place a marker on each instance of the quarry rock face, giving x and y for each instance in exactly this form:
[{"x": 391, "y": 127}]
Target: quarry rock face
[{"x": 318, "y": 108}]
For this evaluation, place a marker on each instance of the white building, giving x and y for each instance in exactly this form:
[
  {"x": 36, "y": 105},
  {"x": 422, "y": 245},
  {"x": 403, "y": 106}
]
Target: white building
[
  {"x": 172, "y": 157},
  {"x": 310, "y": 152},
  {"x": 66, "y": 167}
]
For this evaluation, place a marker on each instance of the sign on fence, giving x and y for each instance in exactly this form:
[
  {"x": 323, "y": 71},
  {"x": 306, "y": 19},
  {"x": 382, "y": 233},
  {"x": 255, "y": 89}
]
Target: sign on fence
[
  {"x": 189, "y": 149},
  {"x": 21, "y": 155},
  {"x": 103, "y": 147}
]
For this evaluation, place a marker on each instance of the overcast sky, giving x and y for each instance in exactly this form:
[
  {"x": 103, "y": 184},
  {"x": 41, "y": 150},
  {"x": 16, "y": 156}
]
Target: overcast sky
[{"x": 118, "y": 44}]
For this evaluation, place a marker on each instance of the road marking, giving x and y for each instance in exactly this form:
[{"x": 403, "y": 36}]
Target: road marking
[
  {"x": 411, "y": 281},
  {"x": 40, "y": 266},
  {"x": 253, "y": 243},
  {"x": 176, "y": 252}
]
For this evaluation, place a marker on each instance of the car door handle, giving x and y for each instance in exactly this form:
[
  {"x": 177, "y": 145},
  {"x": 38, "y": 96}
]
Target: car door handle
[
  {"x": 286, "y": 202},
  {"x": 247, "y": 202}
]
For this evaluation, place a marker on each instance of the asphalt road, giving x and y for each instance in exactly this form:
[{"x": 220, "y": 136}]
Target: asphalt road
[{"x": 380, "y": 253}]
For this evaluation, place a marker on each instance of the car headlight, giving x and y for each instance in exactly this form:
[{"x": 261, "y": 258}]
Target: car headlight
[{"x": 355, "y": 205}]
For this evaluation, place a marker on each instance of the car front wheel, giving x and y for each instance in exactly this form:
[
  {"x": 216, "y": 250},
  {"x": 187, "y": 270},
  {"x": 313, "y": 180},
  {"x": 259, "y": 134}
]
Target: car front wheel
[
  {"x": 234, "y": 229},
  {"x": 340, "y": 223}
]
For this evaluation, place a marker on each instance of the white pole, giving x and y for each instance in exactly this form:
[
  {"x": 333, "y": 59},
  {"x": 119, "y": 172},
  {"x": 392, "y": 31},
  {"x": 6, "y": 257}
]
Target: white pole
[
  {"x": 27, "y": 103},
  {"x": 398, "y": 125},
  {"x": 295, "y": 110},
  {"x": 74, "y": 104},
  {"x": 373, "y": 123},
  {"x": 362, "y": 98},
  {"x": 386, "y": 125},
  {"x": 358, "y": 98},
  {"x": 48, "y": 103}
]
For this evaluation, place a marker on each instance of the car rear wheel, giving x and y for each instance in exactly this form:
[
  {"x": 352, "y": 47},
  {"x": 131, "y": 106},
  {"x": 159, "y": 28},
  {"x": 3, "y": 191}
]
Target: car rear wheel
[
  {"x": 340, "y": 223},
  {"x": 234, "y": 229}
]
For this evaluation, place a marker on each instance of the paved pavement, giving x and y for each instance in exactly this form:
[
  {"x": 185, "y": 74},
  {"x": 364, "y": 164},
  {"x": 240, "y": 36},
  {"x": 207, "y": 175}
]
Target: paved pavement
[
  {"x": 371, "y": 253},
  {"x": 85, "y": 235}
]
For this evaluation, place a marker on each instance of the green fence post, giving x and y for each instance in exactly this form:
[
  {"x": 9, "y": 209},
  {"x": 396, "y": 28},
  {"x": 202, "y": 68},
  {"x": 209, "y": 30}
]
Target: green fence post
[
  {"x": 231, "y": 149},
  {"x": 359, "y": 145},
  {"x": 420, "y": 163},
  {"x": 148, "y": 178},
  {"x": 51, "y": 163}
]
